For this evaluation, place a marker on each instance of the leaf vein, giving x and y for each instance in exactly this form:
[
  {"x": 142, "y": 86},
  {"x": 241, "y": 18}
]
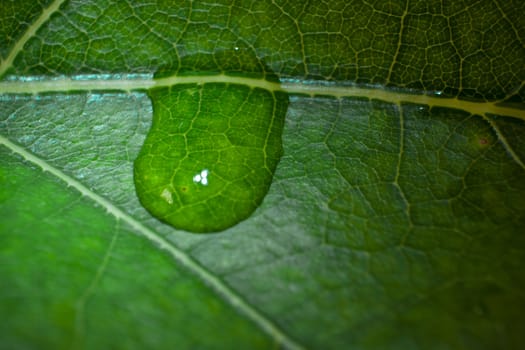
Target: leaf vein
[
  {"x": 306, "y": 88},
  {"x": 226, "y": 292},
  {"x": 399, "y": 42},
  {"x": 30, "y": 32},
  {"x": 504, "y": 142}
]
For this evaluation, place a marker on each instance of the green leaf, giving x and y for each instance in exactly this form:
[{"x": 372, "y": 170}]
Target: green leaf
[{"x": 394, "y": 218}]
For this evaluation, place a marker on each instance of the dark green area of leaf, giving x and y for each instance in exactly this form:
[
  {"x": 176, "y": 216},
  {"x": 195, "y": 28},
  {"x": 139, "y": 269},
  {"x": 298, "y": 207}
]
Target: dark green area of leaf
[
  {"x": 15, "y": 18},
  {"x": 436, "y": 46},
  {"x": 86, "y": 281}
]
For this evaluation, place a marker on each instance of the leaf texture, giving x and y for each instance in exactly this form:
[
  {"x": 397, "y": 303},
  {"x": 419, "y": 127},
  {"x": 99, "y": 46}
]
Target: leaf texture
[{"x": 394, "y": 217}]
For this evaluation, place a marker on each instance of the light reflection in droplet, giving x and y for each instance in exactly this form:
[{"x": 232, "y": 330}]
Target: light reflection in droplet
[
  {"x": 201, "y": 177},
  {"x": 166, "y": 195}
]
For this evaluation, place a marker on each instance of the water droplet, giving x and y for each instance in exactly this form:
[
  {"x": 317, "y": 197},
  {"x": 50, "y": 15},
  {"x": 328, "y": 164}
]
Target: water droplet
[{"x": 209, "y": 158}]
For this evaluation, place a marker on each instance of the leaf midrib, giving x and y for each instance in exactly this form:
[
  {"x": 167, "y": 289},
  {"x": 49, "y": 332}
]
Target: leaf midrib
[{"x": 65, "y": 85}]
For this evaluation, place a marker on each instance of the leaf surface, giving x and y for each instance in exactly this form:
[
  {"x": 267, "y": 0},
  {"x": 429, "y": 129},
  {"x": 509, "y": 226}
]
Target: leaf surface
[{"x": 394, "y": 217}]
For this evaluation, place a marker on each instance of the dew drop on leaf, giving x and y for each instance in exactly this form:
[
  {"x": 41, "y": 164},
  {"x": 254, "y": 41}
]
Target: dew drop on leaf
[{"x": 210, "y": 155}]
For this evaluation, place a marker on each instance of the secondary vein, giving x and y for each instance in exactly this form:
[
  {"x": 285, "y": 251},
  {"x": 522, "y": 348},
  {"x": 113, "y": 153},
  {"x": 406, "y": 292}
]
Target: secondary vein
[
  {"x": 504, "y": 142},
  {"x": 180, "y": 256},
  {"x": 29, "y": 33}
]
